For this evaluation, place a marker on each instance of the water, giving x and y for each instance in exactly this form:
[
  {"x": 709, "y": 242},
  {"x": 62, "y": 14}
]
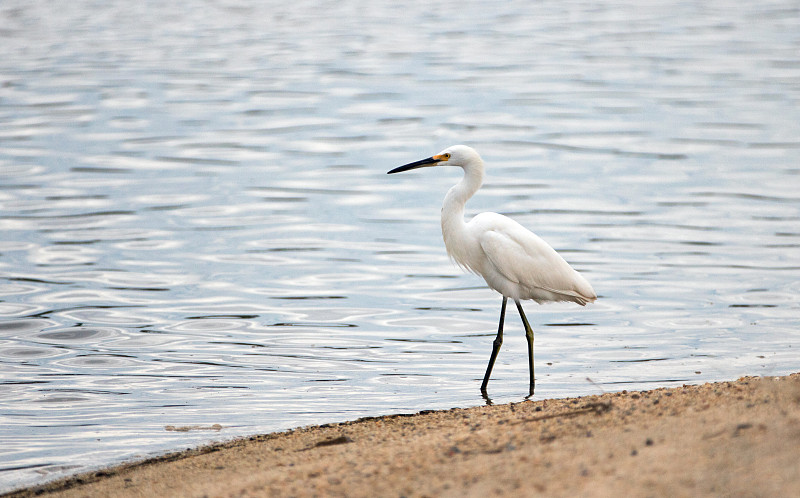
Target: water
[{"x": 197, "y": 227}]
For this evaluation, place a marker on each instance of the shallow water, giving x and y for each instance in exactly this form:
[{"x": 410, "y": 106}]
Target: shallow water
[{"x": 197, "y": 227}]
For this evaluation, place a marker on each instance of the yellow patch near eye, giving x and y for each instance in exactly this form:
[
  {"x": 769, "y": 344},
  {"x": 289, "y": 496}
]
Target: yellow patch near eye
[{"x": 442, "y": 157}]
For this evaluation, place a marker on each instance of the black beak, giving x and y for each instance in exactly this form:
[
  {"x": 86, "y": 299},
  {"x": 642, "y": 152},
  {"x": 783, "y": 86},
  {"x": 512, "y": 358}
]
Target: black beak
[{"x": 417, "y": 164}]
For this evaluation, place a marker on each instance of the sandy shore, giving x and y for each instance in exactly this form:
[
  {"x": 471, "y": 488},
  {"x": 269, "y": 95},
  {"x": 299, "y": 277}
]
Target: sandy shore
[{"x": 737, "y": 438}]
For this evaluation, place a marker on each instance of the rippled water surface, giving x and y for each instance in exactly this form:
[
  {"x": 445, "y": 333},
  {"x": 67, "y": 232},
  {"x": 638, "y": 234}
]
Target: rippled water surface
[{"x": 196, "y": 227}]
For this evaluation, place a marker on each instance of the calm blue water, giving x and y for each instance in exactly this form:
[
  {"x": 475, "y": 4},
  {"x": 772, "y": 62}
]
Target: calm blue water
[{"x": 196, "y": 227}]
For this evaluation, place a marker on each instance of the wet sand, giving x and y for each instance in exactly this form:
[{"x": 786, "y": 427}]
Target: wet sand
[{"x": 738, "y": 438}]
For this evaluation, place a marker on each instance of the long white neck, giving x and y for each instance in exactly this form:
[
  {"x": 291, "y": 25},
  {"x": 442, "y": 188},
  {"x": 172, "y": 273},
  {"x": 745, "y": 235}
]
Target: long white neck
[{"x": 453, "y": 225}]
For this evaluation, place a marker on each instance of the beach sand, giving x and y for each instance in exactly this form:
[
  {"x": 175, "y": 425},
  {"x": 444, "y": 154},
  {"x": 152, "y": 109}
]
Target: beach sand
[{"x": 738, "y": 438}]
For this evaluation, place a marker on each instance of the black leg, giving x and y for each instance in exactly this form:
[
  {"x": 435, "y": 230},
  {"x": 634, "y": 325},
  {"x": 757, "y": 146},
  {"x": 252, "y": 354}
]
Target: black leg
[
  {"x": 498, "y": 341},
  {"x": 529, "y": 337}
]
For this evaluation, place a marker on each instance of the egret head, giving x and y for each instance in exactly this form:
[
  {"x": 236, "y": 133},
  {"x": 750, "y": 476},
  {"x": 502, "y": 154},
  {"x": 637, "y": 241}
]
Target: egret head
[{"x": 456, "y": 155}]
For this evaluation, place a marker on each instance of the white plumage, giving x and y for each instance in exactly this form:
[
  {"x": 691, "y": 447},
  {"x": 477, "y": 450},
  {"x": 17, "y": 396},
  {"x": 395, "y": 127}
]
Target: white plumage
[{"x": 513, "y": 260}]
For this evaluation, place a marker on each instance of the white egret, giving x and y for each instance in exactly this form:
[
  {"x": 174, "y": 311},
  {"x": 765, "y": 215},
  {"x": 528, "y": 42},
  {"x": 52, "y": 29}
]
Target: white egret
[{"x": 514, "y": 261}]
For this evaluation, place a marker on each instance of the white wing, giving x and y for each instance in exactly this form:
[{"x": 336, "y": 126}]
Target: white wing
[{"x": 522, "y": 265}]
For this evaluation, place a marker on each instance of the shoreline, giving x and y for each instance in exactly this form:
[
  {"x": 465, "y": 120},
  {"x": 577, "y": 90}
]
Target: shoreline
[{"x": 739, "y": 437}]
